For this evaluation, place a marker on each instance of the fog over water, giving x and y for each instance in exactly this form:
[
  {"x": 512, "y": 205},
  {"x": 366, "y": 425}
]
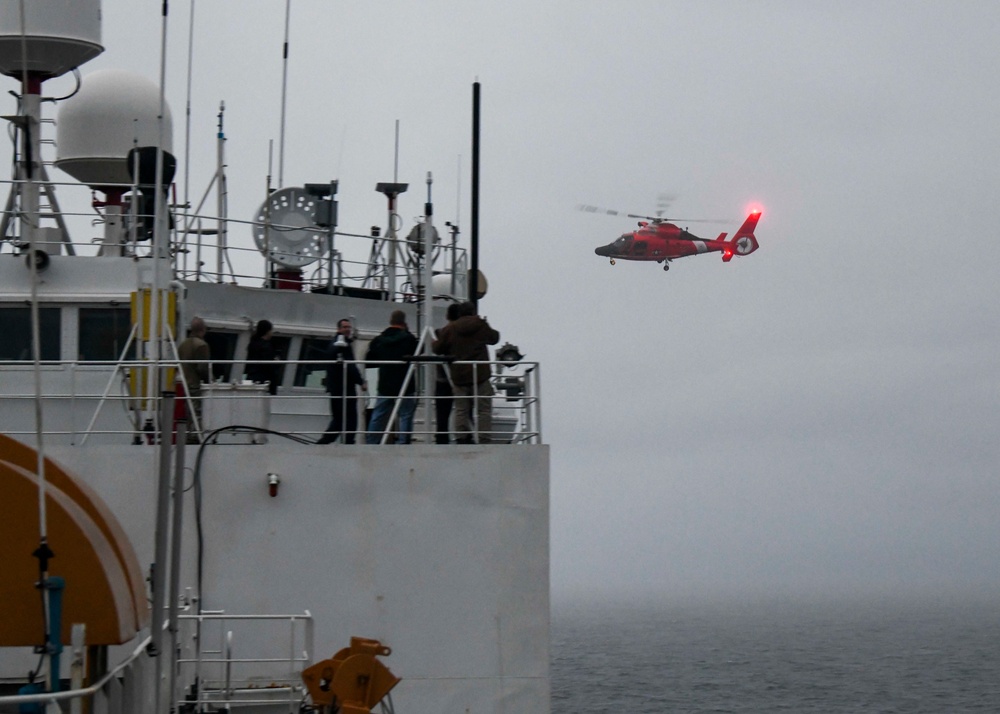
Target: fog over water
[{"x": 819, "y": 415}]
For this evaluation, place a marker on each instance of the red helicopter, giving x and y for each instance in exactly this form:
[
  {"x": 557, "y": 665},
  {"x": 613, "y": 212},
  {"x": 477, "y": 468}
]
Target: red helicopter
[{"x": 658, "y": 239}]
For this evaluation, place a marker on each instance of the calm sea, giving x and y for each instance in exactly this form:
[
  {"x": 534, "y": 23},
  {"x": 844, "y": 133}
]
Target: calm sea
[{"x": 805, "y": 656}]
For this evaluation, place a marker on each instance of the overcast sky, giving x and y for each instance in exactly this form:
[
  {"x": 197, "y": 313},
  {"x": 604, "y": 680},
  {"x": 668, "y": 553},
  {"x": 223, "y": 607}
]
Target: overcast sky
[{"x": 820, "y": 414}]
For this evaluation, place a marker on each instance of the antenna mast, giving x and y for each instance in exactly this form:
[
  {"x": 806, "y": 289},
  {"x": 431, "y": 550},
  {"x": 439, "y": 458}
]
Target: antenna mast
[
  {"x": 474, "y": 218},
  {"x": 395, "y": 161},
  {"x": 187, "y": 113},
  {"x": 284, "y": 93}
]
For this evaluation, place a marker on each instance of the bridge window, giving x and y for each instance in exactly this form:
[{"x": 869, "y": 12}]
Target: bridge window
[
  {"x": 221, "y": 346},
  {"x": 15, "y": 326},
  {"x": 104, "y": 332},
  {"x": 312, "y": 375},
  {"x": 280, "y": 344}
]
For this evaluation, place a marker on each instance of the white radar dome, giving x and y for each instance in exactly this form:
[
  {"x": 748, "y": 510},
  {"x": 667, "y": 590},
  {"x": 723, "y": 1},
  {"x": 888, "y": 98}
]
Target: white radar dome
[
  {"x": 57, "y": 36},
  {"x": 95, "y": 129},
  {"x": 441, "y": 285}
]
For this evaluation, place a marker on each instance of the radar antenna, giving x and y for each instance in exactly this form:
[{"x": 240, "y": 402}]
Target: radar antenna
[{"x": 286, "y": 231}]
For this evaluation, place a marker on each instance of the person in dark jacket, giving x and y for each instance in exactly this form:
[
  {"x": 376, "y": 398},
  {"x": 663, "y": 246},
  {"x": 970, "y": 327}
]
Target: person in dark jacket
[
  {"x": 342, "y": 381},
  {"x": 466, "y": 339},
  {"x": 395, "y": 343},
  {"x": 443, "y": 394},
  {"x": 261, "y": 355}
]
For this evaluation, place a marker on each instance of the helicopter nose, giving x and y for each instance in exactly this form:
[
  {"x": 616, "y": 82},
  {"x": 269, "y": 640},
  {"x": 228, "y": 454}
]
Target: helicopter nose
[{"x": 603, "y": 250}]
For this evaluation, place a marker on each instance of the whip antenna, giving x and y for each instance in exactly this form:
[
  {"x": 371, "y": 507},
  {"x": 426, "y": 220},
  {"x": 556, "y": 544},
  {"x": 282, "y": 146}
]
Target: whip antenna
[{"x": 284, "y": 94}]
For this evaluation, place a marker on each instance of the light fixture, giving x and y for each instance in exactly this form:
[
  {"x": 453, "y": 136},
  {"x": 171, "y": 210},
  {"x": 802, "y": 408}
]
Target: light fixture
[
  {"x": 509, "y": 355},
  {"x": 272, "y": 484}
]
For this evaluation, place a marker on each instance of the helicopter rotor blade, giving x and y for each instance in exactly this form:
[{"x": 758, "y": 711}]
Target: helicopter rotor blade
[
  {"x": 587, "y": 208},
  {"x": 668, "y": 219},
  {"x": 688, "y": 220},
  {"x": 663, "y": 202},
  {"x": 596, "y": 209}
]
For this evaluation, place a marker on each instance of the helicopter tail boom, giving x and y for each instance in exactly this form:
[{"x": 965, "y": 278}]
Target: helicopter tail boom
[{"x": 743, "y": 241}]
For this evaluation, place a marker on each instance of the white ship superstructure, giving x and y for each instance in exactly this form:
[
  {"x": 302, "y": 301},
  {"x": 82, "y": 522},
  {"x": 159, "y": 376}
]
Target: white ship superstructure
[{"x": 268, "y": 552}]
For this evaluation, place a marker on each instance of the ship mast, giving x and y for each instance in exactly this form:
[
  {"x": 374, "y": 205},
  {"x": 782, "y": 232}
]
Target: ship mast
[{"x": 32, "y": 53}]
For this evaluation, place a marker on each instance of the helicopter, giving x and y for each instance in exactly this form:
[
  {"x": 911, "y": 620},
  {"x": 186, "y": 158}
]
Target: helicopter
[{"x": 660, "y": 240}]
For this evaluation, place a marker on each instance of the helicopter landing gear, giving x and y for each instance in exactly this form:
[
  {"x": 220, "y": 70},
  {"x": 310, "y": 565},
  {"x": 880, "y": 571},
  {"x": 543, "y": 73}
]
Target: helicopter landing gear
[
  {"x": 612, "y": 261},
  {"x": 666, "y": 266}
]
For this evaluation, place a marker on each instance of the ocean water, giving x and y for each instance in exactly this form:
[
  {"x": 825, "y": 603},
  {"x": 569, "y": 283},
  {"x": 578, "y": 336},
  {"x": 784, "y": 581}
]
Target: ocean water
[{"x": 884, "y": 655}]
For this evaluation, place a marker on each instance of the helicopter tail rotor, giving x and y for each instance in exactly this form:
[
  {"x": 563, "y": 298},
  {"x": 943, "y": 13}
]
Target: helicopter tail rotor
[{"x": 743, "y": 241}]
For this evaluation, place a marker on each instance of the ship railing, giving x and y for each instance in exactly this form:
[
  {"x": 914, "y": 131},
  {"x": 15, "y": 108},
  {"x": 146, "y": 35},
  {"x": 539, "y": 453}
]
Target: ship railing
[
  {"x": 215, "y": 677},
  {"x": 353, "y": 269},
  {"x": 93, "y": 401},
  {"x": 219, "y": 675},
  {"x": 127, "y": 688},
  {"x": 209, "y": 248},
  {"x": 520, "y": 423}
]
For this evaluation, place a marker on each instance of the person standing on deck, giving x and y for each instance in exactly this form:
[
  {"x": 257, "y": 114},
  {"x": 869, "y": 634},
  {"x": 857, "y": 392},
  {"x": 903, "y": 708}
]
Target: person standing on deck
[
  {"x": 194, "y": 355},
  {"x": 443, "y": 394},
  {"x": 466, "y": 339},
  {"x": 342, "y": 381},
  {"x": 261, "y": 356},
  {"x": 395, "y": 343}
]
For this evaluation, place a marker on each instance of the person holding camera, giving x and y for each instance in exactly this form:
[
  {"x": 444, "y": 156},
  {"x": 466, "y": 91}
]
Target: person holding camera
[
  {"x": 342, "y": 381},
  {"x": 466, "y": 340}
]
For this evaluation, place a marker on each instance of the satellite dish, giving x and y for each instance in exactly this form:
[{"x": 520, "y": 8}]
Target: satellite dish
[{"x": 285, "y": 230}]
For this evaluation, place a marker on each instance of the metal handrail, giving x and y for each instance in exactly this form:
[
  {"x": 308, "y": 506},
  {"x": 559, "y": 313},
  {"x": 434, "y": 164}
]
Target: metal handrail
[
  {"x": 185, "y": 237},
  {"x": 295, "y": 657},
  {"x": 126, "y": 666},
  {"x": 516, "y": 403},
  {"x": 93, "y": 689}
]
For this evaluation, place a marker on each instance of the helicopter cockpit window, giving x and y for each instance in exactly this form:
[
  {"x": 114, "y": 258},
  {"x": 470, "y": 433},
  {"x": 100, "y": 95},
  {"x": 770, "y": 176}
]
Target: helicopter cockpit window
[{"x": 623, "y": 242}]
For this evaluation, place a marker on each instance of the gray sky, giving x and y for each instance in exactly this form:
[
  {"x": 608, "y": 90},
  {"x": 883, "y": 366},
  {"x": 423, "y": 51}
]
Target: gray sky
[{"x": 820, "y": 414}]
